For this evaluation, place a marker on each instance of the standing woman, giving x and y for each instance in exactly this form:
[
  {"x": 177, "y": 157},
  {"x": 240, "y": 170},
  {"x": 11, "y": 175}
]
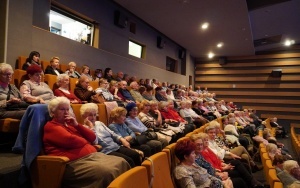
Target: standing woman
[
  {"x": 33, "y": 59},
  {"x": 9, "y": 95},
  {"x": 64, "y": 136}
]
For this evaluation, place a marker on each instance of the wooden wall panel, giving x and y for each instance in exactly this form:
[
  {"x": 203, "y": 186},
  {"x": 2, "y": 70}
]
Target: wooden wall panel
[{"x": 247, "y": 81}]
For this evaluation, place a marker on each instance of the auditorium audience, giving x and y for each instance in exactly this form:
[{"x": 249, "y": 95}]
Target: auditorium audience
[
  {"x": 97, "y": 74},
  {"x": 103, "y": 90},
  {"x": 34, "y": 90},
  {"x": 64, "y": 136},
  {"x": 134, "y": 91},
  {"x": 279, "y": 129},
  {"x": 118, "y": 125},
  {"x": 53, "y": 68},
  {"x": 188, "y": 173},
  {"x": 112, "y": 144},
  {"x": 241, "y": 176}
]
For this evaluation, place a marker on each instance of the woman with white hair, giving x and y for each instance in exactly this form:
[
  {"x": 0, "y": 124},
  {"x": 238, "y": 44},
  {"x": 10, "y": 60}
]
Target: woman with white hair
[
  {"x": 224, "y": 152},
  {"x": 64, "y": 136},
  {"x": 11, "y": 102},
  {"x": 112, "y": 144},
  {"x": 63, "y": 81}
]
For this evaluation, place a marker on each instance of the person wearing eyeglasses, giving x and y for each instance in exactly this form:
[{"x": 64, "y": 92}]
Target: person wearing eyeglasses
[{"x": 9, "y": 94}]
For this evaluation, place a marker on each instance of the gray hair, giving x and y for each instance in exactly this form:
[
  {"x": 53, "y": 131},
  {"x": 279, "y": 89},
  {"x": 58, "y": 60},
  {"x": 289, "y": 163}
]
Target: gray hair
[
  {"x": 53, "y": 104},
  {"x": 289, "y": 165},
  {"x": 88, "y": 107},
  {"x": 60, "y": 77},
  {"x": 5, "y": 66}
]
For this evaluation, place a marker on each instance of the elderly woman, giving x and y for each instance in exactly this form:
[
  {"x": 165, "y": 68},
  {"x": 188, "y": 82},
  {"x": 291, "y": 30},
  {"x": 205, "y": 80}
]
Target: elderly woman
[
  {"x": 11, "y": 103},
  {"x": 53, "y": 68},
  {"x": 33, "y": 59},
  {"x": 85, "y": 71},
  {"x": 240, "y": 176},
  {"x": 112, "y": 144},
  {"x": 148, "y": 93},
  {"x": 154, "y": 122},
  {"x": 72, "y": 70},
  {"x": 188, "y": 173},
  {"x": 118, "y": 116},
  {"x": 34, "y": 90},
  {"x": 103, "y": 90},
  {"x": 223, "y": 152},
  {"x": 83, "y": 90},
  {"x": 64, "y": 136},
  {"x": 187, "y": 112},
  {"x": 135, "y": 124},
  {"x": 63, "y": 81},
  {"x": 172, "y": 118}
]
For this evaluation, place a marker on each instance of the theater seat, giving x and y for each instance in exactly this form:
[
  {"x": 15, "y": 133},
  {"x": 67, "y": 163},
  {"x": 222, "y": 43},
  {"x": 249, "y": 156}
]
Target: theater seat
[
  {"x": 47, "y": 171},
  {"x": 51, "y": 81},
  {"x": 135, "y": 177},
  {"x": 158, "y": 170},
  {"x": 9, "y": 125}
]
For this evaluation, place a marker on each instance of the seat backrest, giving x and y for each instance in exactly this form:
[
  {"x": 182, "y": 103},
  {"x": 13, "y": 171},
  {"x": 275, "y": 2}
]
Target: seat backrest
[
  {"x": 21, "y": 61},
  {"x": 51, "y": 81},
  {"x": 76, "y": 110},
  {"x": 19, "y": 76},
  {"x": 63, "y": 67},
  {"x": 158, "y": 170},
  {"x": 45, "y": 64},
  {"x": 94, "y": 84},
  {"x": 103, "y": 116},
  {"x": 135, "y": 177},
  {"x": 73, "y": 82}
]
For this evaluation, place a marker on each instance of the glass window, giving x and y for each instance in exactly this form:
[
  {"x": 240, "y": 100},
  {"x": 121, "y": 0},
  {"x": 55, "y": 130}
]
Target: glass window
[
  {"x": 135, "y": 49},
  {"x": 70, "y": 26}
]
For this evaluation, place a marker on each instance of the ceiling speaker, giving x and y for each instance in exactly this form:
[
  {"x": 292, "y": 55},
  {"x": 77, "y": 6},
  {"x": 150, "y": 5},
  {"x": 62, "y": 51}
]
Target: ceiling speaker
[
  {"x": 120, "y": 19},
  {"x": 160, "y": 42},
  {"x": 222, "y": 60},
  {"x": 276, "y": 73}
]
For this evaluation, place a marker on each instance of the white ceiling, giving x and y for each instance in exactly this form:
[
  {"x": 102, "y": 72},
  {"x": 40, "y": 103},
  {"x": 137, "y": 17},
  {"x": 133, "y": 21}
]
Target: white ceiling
[{"x": 229, "y": 20}]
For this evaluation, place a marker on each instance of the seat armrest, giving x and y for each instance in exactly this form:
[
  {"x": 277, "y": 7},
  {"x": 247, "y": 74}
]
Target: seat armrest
[{"x": 47, "y": 171}]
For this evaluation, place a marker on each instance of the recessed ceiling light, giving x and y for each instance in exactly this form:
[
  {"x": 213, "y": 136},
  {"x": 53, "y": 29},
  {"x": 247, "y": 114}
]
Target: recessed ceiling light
[
  {"x": 220, "y": 44},
  {"x": 205, "y": 25},
  {"x": 289, "y": 42},
  {"x": 211, "y": 55}
]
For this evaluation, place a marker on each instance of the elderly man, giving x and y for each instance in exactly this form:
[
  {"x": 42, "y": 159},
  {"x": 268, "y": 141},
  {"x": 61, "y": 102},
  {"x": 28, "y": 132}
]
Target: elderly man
[
  {"x": 124, "y": 93},
  {"x": 135, "y": 92},
  {"x": 120, "y": 76},
  {"x": 72, "y": 70}
]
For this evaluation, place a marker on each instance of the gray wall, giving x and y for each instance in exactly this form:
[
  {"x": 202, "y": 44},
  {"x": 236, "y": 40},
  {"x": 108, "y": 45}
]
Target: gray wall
[{"x": 28, "y": 30}]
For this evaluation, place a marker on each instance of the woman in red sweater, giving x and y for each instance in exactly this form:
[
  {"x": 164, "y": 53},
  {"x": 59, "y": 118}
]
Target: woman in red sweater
[
  {"x": 63, "y": 81},
  {"x": 63, "y": 136}
]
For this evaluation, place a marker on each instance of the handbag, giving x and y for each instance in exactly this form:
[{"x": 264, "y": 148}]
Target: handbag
[
  {"x": 139, "y": 140},
  {"x": 151, "y": 135},
  {"x": 98, "y": 98},
  {"x": 17, "y": 106}
]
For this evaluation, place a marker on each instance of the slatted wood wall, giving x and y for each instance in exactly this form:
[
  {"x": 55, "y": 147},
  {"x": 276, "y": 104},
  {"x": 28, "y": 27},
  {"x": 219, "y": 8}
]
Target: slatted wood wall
[{"x": 247, "y": 81}]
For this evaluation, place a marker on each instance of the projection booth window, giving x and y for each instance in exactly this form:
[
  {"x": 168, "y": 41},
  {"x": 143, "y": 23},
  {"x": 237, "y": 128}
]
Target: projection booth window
[{"x": 136, "y": 49}]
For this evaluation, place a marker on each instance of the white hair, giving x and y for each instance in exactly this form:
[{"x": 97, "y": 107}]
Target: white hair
[
  {"x": 53, "y": 104},
  {"x": 88, "y": 107},
  {"x": 289, "y": 165},
  {"x": 5, "y": 66},
  {"x": 60, "y": 77}
]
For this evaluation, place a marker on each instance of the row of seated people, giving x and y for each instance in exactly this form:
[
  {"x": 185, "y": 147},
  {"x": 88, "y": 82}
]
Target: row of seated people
[{"x": 295, "y": 140}]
